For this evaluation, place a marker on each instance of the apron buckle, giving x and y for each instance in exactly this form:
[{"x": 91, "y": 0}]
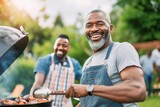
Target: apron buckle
[{"x": 106, "y": 63}]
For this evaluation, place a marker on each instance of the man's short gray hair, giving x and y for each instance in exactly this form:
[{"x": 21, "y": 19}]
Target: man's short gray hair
[{"x": 107, "y": 17}]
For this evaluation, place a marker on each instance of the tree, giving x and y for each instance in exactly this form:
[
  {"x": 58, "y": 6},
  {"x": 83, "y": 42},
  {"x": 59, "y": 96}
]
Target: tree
[
  {"x": 138, "y": 20},
  {"x": 58, "y": 21}
]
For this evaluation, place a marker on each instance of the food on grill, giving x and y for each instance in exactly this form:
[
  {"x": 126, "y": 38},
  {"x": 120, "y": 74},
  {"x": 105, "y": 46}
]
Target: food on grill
[
  {"x": 23, "y": 100},
  {"x": 7, "y": 102},
  {"x": 32, "y": 100}
]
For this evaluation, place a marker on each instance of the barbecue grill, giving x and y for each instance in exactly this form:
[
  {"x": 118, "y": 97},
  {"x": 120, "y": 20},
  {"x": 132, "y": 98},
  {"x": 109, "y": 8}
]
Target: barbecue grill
[{"x": 12, "y": 44}]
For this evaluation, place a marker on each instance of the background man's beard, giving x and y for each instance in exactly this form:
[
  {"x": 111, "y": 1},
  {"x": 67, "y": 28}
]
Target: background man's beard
[
  {"x": 99, "y": 44},
  {"x": 60, "y": 57}
]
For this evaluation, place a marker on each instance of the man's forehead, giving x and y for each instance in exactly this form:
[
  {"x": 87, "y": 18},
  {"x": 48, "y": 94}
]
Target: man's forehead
[
  {"x": 64, "y": 40},
  {"x": 96, "y": 15}
]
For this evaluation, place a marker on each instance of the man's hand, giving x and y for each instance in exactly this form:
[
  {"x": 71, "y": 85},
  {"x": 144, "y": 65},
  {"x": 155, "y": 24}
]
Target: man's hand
[{"x": 76, "y": 90}]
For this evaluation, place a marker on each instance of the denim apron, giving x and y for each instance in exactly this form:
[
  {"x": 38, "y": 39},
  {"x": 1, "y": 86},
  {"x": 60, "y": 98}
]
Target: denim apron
[
  {"x": 60, "y": 78},
  {"x": 97, "y": 75}
]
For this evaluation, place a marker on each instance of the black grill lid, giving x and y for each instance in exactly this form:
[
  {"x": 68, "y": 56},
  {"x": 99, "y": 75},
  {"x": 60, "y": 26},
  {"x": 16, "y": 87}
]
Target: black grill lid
[{"x": 12, "y": 44}]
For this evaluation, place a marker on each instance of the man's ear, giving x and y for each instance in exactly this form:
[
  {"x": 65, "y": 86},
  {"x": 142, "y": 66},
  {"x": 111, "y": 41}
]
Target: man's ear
[
  {"x": 111, "y": 27},
  {"x": 69, "y": 47}
]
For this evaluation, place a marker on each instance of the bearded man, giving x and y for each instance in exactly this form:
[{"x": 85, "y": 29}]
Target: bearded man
[
  {"x": 112, "y": 76},
  {"x": 57, "y": 71}
]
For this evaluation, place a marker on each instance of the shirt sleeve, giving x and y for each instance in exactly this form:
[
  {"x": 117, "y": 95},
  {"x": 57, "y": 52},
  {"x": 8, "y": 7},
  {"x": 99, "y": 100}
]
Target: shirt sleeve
[
  {"x": 77, "y": 69},
  {"x": 127, "y": 56},
  {"x": 42, "y": 65}
]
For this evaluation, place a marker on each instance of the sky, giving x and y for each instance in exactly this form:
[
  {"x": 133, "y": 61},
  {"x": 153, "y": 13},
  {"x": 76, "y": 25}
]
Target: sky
[{"x": 67, "y": 8}]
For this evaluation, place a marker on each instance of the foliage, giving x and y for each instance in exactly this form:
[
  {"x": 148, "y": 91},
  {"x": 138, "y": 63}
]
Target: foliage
[
  {"x": 137, "y": 20},
  {"x": 74, "y": 102},
  {"x": 58, "y": 21},
  {"x": 147, "y": 103},
  {"x": 9, "y": 19}
]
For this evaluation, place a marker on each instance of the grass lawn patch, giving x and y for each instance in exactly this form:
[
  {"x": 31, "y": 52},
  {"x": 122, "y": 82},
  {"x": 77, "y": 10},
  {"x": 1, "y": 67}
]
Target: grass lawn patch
[{"x": 153, "y": 101}]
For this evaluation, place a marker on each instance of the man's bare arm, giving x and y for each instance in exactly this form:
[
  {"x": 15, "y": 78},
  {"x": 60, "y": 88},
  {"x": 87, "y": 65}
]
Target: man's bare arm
[
  {"x": 39, "y": 79},
  {"x": 131, "y": 89}
]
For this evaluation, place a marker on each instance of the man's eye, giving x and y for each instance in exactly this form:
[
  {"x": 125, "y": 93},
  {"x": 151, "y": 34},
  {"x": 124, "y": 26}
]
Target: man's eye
[
  {"x": 58, "y": 44},
  {"x": 65, "y": 46},
  {"x": 88, "y": 26},
  {"x": 100, "y": 24}
]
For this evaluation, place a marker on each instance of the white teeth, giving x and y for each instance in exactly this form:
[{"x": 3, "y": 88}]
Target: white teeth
[
  {"x": 59, "y": 52},
  {"x": 95, "y": 36}
]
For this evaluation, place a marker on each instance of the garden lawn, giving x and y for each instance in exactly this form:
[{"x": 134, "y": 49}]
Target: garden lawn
[{"x": 153, "y": 101}]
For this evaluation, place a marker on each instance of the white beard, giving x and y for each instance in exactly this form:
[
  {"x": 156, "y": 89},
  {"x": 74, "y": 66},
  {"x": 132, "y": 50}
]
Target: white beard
[{"x": 97, "y": 45}]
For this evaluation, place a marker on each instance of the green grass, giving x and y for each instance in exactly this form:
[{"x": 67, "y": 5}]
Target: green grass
[{"x": 153, "y": 101}]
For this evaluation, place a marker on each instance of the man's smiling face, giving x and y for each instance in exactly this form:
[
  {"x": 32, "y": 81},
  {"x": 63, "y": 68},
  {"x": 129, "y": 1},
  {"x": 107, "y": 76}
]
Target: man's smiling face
[
  {"x": 61, "y": 47},
  {"x": 97, "y": 30}
]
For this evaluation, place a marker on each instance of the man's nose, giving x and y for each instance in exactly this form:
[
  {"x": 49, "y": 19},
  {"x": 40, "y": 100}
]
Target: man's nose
[
  {"x": 94, "y": 28},
  {"x": 60, "y": 47}
]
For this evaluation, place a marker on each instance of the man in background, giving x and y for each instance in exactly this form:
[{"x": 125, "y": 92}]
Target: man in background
[
  {"x": 156, "y": 56},
  {"x": 57, "y": 71},
  {"x": 147, "y": 62}
]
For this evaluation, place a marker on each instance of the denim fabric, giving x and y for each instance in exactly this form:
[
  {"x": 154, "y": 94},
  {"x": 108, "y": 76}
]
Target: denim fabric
[
  {"x": 97, "y": 75},
  {"x": 148, "y": 80}
]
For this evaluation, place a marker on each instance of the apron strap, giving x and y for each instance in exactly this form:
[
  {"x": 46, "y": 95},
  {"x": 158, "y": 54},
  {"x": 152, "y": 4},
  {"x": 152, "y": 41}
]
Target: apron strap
[
  {"x": 70, "y": 63},
  {"x": 50, "y": 73},
  {"x": 52, "y": 57},
  {"x": 109, "y": 50},
  {"x": 107, "y": 55}
]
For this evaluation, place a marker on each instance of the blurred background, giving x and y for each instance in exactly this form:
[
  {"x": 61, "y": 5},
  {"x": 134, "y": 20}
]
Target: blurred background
[{"x": 135, "y": 21}]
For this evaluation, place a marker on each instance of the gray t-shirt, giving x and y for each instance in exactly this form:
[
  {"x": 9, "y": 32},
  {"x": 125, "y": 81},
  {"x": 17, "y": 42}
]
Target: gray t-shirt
[{"x": 122, "y": 55}]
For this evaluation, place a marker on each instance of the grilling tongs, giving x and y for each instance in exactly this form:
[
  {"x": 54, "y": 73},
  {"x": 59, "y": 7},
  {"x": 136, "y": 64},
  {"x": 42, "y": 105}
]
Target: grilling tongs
[{"x": 44, "y": 92}]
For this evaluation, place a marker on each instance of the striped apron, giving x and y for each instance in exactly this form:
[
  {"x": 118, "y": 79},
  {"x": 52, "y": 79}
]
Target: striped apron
[{"x": 60, "y": 78}]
